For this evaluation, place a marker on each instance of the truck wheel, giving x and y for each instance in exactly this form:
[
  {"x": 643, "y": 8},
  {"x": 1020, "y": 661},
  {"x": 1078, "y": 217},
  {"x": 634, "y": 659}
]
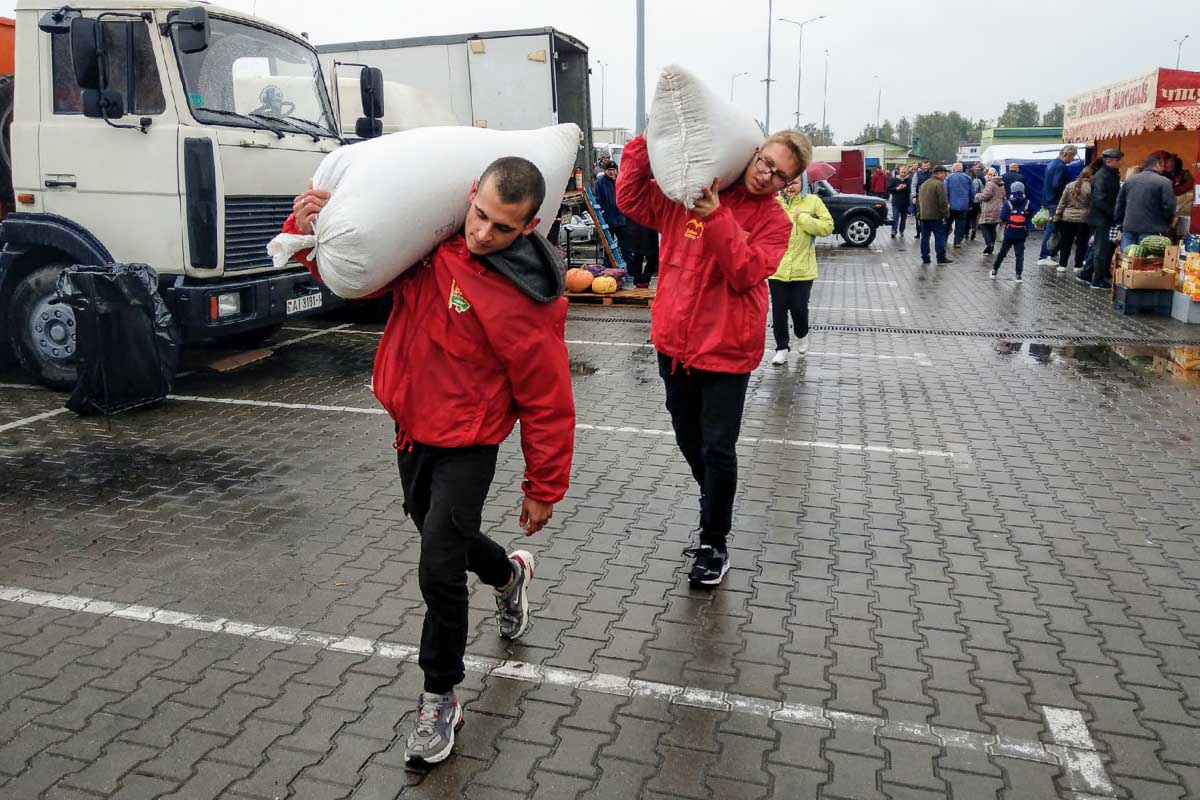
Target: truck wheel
[
  {"x": 43, "y": 332},
  {"x": 859, "y": 232},
  {"x": 248, "y": 340}
]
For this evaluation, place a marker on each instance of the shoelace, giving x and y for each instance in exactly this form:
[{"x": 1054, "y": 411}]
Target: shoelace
[
  {"x": 427, "y": 717},
  {"x": 504, "y": 600}
]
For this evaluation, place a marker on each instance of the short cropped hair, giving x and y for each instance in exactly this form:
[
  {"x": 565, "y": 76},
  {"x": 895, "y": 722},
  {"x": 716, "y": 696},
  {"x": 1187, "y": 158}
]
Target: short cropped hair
[
  {"x": 798, "y": 144},
  {"x": 1151, "y": 162},
  {"x": 517, "y": 180},
  {"x": 1068, "y": 150}
]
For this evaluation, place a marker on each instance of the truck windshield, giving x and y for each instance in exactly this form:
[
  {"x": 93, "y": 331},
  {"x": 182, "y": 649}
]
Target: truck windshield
[{"x": 249, "y": 72}]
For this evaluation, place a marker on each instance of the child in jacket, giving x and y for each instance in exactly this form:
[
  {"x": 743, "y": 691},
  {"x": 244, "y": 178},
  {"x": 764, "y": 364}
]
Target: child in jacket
[
  {"x": 791, "y": 285},
  {"x": 1017, "y": 219}
]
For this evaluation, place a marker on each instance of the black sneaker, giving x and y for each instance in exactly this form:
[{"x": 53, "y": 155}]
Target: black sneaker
[
  {"x": 710, "y": 565},
  {"x": 945, "y": 260},
  {"x": 1084, "y": 278},
  {"x": 924, "y": 260}
]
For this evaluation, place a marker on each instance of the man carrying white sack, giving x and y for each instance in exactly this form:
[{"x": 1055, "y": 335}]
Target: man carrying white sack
[
  {"x": 709, "y": 314},
  {"x": 474, "y": 343}
]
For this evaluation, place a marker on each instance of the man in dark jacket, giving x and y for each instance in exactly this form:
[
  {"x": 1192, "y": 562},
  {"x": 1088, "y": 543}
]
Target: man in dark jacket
[
  {"x": 606, "y": 199},
  {"x": 1106, "y": 184},
  {"x": 934, "y": 208},
  {"x": 1146, "y": 204},
  {"x": 1057, "y": 178},
  {"x": 923, "y": 174},
  {"x": 1012, "y": 176},
  {"x": 898, "y": 189}
]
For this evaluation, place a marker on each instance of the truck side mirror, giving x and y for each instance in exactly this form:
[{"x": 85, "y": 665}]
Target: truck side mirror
[
  {"x": 102, "y": 104},
  {"x": 371, "y": 85},
  {"x": 56, "y": 22},
  {"x": 190, "y": 29},
  {"x": 367, "y": 128},
  {"x": 86, "y": 52}
]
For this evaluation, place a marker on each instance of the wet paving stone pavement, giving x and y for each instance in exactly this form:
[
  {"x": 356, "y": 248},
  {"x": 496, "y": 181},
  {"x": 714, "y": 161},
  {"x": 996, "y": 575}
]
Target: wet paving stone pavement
[{"x": 965, "y": 565}]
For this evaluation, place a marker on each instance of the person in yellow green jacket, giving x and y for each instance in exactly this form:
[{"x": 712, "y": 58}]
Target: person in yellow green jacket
[{"x": 792, "y": 283}]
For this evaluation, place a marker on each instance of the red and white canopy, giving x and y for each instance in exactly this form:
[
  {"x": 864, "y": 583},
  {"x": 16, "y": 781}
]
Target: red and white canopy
[{"x": 1164, "y": 100}]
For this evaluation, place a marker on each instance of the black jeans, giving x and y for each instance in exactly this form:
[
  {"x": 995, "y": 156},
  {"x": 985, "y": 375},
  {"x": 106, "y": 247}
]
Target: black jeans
[
  {"x": 989, "y": 233},
  {"x": 1072, "y": 235},
  {"x": 899, "y": 217},
  {"x": 789, "y": 297},
  {"x": 959, "y": 219},
  {"x": 1102, "y": 252},
  {"x": 706, "y": 413},
  {"x": 444, "y": 490},
  {"x": 1018, "y": 247},
  {"x": 642, "y": 266}
]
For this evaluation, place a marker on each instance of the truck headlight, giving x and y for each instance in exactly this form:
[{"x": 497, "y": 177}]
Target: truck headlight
[{"x": 225, "y": 305}]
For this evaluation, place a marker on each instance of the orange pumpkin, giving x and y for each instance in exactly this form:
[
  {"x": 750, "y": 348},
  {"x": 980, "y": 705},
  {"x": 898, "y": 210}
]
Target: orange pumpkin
[
  {"x": 604, "y": 285},
  {"x": 578, "y": 280}
]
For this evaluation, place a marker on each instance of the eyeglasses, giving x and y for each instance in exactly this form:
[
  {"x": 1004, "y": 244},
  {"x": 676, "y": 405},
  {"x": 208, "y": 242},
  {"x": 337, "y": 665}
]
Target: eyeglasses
[{"x": 767, "y": 167}]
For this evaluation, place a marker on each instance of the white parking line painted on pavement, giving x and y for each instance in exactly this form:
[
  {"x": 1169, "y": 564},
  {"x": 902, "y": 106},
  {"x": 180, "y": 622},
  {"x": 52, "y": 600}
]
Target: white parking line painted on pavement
[
  {"x": 1077, "y": 753},
  {"x": 338, "y": 329},
  {"x": 1075, "y": 749},
  {"x": 237, "y": 401},
  {"x": 645, "y": 345},
  {"x": 20, "y": 423},
  {"x": 861, "y": 283},
  {"x": 899, "y": 309},
  {"x": 29, "y": 387},
  {"x": 313, "y": 335}
]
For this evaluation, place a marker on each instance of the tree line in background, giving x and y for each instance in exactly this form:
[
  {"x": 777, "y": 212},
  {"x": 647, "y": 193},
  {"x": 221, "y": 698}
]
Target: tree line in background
[{"x": 940, "y": 133}]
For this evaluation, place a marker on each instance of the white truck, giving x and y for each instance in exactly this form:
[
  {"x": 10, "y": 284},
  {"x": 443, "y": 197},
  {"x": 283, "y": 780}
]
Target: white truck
[
  {"x": 509, "y": 80},
  {"x": 164, "y": 132}
]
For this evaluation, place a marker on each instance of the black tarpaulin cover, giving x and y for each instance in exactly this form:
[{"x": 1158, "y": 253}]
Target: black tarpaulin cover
[{"x": 127, "y": 343}]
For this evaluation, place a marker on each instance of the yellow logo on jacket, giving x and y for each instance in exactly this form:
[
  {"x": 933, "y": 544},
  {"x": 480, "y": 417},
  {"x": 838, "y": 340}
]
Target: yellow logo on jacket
[
  {"x": 694, "y": 229},
  {"x": 458, "y": 301}
]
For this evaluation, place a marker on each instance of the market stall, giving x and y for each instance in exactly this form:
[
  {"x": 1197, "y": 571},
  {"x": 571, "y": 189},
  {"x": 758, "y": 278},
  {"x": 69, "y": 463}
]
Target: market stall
[{"x": 1157, "y": 111}]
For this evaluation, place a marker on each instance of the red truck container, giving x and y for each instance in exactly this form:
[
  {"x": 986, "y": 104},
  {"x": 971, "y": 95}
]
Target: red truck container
[{"x": 8, "y": 38}]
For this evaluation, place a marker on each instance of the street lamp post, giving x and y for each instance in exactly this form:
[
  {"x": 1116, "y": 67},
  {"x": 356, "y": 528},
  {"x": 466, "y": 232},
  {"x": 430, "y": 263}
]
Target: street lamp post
[
  {"x": 731, "y": 82},
  {"x": 1179, "y": 48},
  {"x": 878, "y": 105},
  {"x": 825, "y": 98},
  {"x": 770, "y": 6},
  {"x": 602, "y": 64},
  {"x": 639, "y": 124},
  {"x": 800, "y": 58}
]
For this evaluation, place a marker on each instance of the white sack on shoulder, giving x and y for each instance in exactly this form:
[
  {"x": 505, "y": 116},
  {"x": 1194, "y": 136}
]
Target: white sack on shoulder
[
  {"x": 395, "y": 198},
  {"x": 694, "y": 136}
]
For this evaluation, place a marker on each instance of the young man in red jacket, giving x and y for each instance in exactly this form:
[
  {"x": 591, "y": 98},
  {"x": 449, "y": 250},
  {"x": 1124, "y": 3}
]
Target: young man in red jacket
[
  {"x": 710, "y": 313},
  {"x": 475, "y": 342}
]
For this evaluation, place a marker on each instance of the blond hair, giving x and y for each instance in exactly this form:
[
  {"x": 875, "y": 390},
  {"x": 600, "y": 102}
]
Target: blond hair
[{"x": 797, "y": 143}]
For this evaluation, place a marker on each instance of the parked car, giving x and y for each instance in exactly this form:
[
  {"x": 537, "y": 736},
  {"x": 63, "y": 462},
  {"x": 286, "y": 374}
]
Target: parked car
[{"x": 855, "y": 216}]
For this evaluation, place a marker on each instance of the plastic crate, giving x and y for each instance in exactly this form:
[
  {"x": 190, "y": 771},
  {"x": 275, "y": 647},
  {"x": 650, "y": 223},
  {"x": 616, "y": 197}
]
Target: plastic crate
[
  {"x": 1185, "y": 309},
  {"x": 1143, "y": 301}
]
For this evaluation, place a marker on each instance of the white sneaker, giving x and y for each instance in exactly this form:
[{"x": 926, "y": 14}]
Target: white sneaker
[
  {"x": 1018, "y": 280},
  {"x": 1060, "y": 268},
  {"x": 780, "y": 358},
  {"x": 995, "y": 272},
  {"x": 1046, "y": 262},
  {"x": 802, "y": 345}
]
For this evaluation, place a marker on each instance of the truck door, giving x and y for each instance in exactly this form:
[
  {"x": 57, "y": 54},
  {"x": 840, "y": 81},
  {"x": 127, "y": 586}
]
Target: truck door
[
  {"x": 512, "y": 82},
  {"x": 118, "y": 183}
]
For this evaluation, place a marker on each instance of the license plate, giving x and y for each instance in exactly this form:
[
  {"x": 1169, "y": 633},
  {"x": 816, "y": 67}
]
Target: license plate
[{"x": 306, "y": 303}]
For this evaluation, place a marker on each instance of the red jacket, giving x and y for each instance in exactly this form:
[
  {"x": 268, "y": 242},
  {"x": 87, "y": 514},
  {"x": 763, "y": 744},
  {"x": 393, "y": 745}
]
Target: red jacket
[
  {"x": 465, "y": 354},
  {"x": 710, "y": 310},
  {"x": 879, "y": 181}
]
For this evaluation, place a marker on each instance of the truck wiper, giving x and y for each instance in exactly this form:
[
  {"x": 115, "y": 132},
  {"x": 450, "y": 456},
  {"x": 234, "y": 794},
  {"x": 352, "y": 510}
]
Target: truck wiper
[
  {"x": 324, "y": 131},
  {"x": 284, "y": 121},
  {"x": 253, "y": 121}
]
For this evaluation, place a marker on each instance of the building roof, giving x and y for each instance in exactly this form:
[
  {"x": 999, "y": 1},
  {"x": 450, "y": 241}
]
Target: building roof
[
  {"x": 1025, "y": 133},
  {"x": 877, "y": 140}
]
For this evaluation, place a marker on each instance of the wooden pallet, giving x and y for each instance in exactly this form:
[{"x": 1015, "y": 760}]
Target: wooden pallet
[{"x": 623, "y": 297}]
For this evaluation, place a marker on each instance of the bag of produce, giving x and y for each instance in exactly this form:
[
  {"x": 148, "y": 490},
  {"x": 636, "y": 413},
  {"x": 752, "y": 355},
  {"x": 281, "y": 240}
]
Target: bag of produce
[
  {"x": 694, "y": 135},
  {"x": 397, "y": 197}
]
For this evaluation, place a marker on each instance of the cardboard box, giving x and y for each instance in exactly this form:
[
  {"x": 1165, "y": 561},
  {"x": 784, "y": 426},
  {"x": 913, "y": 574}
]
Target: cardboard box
[
  {"x": 1171, "y": 257},
  {"x": 1145, "y": 279},
  {"x": 1130, "y": 262}
]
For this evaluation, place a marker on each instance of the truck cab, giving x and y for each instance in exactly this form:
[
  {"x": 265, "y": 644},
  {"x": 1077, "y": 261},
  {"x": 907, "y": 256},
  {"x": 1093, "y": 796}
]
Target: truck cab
[{"x": 172, "y": 134}]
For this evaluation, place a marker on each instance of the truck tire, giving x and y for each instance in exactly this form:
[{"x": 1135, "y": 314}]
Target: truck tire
[
  {"x": 859, "y": 230},
  {"x": 248, "y": 340},
  {"x": 43, "y": 333}
]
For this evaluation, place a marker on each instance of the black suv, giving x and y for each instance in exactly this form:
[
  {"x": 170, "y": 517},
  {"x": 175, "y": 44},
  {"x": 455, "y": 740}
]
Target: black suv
[{"x": 855, "y": 216}]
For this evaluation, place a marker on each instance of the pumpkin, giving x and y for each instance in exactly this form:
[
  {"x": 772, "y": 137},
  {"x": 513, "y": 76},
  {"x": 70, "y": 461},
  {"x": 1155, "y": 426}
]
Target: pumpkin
[
  {"x": 578, "y": 280},
  {"x": 604, "y": 285}
]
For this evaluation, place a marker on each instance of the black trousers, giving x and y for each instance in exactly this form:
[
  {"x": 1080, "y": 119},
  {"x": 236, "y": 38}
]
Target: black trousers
[
  {"x": 959, "y": 221},
  {"x": 1018, "y": 247},
  {"x": 706, "y": 413},
  {"x": 642, "y": 266},
  {"x": 1072, "y": 235},
  {"x": 444, "y": 490},
  {"x": 1102, "y": 253},
  {"x": 989, "y": 233},
  {"x": 789, "y": 297},
  {"x": 899, "y": 217}
]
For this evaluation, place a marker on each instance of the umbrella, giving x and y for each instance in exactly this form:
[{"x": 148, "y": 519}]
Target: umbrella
[{"x": 820, "y": 171}]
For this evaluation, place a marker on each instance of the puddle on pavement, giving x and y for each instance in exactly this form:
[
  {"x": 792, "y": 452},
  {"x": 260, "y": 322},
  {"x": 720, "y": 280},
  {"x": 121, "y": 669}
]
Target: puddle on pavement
[{"x": 1130, "y": 362}]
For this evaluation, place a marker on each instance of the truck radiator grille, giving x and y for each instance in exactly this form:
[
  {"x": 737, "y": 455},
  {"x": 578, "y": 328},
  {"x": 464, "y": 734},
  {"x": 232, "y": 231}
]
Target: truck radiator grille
[{"x": 251, "y": 222}]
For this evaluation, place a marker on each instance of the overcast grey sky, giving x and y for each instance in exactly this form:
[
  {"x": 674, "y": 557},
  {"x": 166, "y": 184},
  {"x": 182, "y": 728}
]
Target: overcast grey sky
[{"x": 929, "y": 54}]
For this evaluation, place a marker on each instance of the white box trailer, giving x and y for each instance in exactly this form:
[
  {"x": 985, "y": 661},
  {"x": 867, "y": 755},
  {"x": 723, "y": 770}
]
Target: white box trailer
[{"x": 509, "y": 80}]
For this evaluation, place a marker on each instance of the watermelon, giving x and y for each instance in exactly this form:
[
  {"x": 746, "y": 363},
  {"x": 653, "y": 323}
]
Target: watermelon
[
  {"x": 1155, "y": 246},
  {"x": 1132, "y": 250}
]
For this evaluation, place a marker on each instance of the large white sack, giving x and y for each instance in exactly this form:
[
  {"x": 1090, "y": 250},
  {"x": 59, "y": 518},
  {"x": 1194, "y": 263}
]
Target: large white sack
[
  {"x": 397, "y": 197},
  {"x": 694, "y": 136}
]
